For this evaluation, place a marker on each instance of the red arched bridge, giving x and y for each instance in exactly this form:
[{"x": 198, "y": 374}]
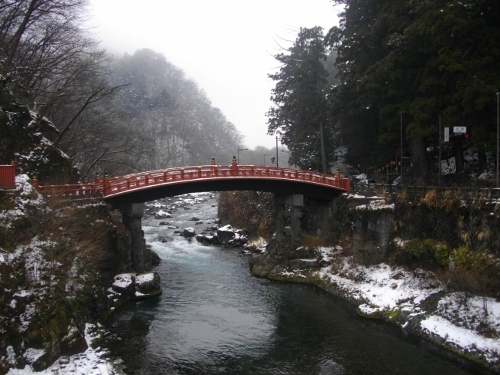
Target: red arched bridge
[{"x": 148, "y": 186}]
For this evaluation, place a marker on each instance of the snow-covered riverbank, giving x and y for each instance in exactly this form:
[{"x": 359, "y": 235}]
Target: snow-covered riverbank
[{"x": 415, "y": 300}]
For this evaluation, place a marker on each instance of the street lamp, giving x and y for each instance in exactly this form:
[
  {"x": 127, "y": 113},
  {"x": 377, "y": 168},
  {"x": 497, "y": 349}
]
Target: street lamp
[
  {"x": 277, "y": 163},
  {"x": 241, "y": 149}
]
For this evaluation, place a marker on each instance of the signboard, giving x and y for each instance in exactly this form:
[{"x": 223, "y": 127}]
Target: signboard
[
  {"x": 460, "y": 129},
  {"x": 446, "y": 134}
]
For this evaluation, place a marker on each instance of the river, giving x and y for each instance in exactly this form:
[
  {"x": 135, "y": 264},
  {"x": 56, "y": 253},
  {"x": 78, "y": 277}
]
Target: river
[{"x": 215, "y": 318}]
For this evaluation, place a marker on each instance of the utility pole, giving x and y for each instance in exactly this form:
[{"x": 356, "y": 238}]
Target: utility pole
[
  {"x": 277, "y": 163},
  {"x": 240, "y": 149},
  {"x": 498, "y": 130},
  {"x": 401, "y": 138},
  {"x": 439, "y": 145}
]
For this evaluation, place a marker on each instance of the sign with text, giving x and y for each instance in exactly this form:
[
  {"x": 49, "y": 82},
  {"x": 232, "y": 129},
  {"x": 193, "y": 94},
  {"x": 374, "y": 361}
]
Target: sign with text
[
  {"x": 460, "y": 129},
  {"x": 446, "y": 134}
]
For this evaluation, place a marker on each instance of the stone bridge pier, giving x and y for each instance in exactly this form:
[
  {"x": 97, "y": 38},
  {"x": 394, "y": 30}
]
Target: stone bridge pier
[
  {"x": 131, "y": 218},
  {"x": 288, "y": 214},
  {"x": 293, "y": 212}
]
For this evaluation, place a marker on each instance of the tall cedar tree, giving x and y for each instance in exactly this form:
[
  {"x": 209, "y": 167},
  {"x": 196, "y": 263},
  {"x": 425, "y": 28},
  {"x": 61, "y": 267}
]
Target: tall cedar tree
[
  {"x": 427, "y": 59},
  {"x": 300, "y": 106}
]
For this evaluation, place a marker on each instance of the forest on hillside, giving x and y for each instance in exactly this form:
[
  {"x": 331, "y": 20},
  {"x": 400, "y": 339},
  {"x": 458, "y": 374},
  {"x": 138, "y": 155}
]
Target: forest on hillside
[
  {"x": 379, "y": 85},
  {"x": 402, "y": 69},
  {"x": 69, "y": 110}
]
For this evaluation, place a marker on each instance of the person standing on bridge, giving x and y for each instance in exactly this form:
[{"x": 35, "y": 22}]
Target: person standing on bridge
[{"x": 233, "y": 166}]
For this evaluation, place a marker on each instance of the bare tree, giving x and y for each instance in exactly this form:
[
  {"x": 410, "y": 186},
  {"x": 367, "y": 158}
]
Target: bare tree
[{"x": 24, "y": 18}]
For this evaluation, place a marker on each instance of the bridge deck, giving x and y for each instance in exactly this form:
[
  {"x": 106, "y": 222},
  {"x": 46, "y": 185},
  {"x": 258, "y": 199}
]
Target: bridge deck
[{"x": 146, "y": 186}]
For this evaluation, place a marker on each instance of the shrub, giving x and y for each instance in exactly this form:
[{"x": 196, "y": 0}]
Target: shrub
[
  {"x": 477, "y": 261},
  {"x": 428, "y": 248}
]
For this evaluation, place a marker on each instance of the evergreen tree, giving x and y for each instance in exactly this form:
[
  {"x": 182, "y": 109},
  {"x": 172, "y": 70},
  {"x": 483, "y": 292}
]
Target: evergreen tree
[
  {"x": 299, "y": 114},
  {"x": 428, "y": 59}
]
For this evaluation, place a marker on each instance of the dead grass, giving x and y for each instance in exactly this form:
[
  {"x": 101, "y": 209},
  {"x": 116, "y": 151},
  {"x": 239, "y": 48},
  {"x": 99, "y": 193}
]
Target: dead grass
[
  {"x": 486, "y": 283},
  {"x": 312, "y": 241}
]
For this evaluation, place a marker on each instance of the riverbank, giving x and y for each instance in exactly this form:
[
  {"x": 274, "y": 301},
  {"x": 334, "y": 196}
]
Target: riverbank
[
  {"x": 415, "y": 301},
  {"x": 58, "y": 259}
]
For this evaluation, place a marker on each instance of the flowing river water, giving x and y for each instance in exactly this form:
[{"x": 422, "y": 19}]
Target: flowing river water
[{"x": 215, "y": 318}]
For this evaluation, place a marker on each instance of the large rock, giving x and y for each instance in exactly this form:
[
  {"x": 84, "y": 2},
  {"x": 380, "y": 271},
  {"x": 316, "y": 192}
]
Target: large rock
[
  {"x": 303, "y": 252},
  {"x": 162, "y": 215},
  {"x": 188, "y": 232},
  {"x": 124, "y": 284},
  {"x": 206, "y": 239},
  {"x": 155, "y": 259},
  {"x": 225, "y": 234},
  {"x": 147, "y": 284},
  {"x": 304, "y": 264}
]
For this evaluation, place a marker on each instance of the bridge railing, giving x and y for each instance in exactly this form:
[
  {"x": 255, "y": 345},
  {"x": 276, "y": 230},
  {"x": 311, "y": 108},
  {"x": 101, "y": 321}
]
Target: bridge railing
[
  {"x": 117, "y": 185},
  {"x": 8, "y": 176},
  {"x": 71, "y": 190}
]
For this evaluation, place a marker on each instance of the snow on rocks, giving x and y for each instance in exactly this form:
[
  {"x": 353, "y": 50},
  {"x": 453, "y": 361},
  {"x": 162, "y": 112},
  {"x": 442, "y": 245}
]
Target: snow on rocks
[
  {"x": 162, "y": 215},
  {"x": 188, "y": 232},
  {"x": 94, "y": 361},
  {"x": 147, "y": 284},
  {"x": 376, "y": 204},
  {"x": 226, "y": 235},
  {"x": 25, "y": 197},
  {"x": 468, "y": 323},
  {"x": 130, "y": 286}
]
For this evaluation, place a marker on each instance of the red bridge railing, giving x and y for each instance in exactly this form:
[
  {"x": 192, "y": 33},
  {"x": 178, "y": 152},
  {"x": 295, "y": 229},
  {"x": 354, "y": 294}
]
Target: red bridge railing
[{"x": 109, "y": 187}]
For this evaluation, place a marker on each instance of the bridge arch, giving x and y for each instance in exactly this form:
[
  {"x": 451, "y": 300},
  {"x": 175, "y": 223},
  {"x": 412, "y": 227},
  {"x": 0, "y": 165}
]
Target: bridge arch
[
  {"x": 147, "y": 186},
  {"x": 128, "y": 193}
]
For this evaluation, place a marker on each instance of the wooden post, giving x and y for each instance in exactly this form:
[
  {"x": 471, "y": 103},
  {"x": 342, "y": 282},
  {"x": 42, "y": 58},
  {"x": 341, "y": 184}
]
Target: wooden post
[
  {"x": 34, "y": 183},
  {"x": 234, "y": 167},
  {"x": 107, "y": 187}
]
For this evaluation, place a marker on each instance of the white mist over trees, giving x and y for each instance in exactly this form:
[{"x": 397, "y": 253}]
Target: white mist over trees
[
  {"x": 110, "y": 115},
  {"x": 176, "y": 118}
]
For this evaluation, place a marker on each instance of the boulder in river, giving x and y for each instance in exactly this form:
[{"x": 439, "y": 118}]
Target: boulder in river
[
  {"x": 147, "y": 284},
  {"x": 188, "y": 232},
  {"x": 130, "y": 286},
  {"x": 225, "y": 234},
  {"x": 162, "y": 215},
  {"x": 163, "y": 239},
  {"x": 206, "y": 239},
  {"x": 124, "y": 284}
]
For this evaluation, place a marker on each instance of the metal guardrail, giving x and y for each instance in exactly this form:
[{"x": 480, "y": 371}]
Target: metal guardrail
[{"x": 465, "y": 193}]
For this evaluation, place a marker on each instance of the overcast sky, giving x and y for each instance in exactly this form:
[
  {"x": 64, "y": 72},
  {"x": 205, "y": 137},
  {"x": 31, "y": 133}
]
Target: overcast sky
[{"x": 226, "y": 46}]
